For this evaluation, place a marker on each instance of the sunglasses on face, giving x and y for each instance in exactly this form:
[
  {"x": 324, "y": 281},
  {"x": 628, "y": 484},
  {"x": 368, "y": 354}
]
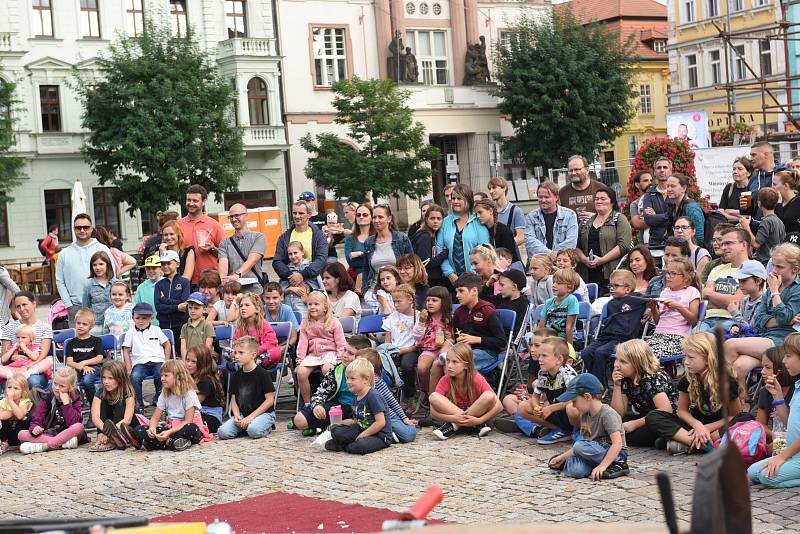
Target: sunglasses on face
[{"x": 82, "y": 228}]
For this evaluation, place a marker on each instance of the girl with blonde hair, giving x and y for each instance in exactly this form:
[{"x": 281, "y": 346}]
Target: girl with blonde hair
[
  {"x": 541, "y": 270},
  {"x": 15, "y": 409},
  {"x": 639, "y": 383},
  {"x": 321, "y": 343}
]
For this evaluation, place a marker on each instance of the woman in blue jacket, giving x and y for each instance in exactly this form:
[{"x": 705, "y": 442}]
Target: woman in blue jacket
[
  {"x": 461, "y": 231},
  {"x": 384, "y": 246}
]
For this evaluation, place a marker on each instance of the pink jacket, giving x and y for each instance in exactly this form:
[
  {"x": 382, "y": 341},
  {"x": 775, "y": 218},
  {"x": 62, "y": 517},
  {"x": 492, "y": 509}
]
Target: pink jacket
[
  {"x": 316, "y": 340},
  {"x": 267, "y": 342}
]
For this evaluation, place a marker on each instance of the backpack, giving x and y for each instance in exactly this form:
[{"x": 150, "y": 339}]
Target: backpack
[
  {"x": 39, "y": 245},
  {"x": 712, "y": 219},
  {"x": 387, "y": 352},
  {"x": 751, "y": 440}
]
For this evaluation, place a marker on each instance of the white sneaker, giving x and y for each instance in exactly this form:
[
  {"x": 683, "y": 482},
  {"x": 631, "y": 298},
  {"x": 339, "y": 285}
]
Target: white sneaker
[
  {"x": 71, "y": 443},
  {"x": 29, "y": 447},
  {"x": 485, "y": 429}
]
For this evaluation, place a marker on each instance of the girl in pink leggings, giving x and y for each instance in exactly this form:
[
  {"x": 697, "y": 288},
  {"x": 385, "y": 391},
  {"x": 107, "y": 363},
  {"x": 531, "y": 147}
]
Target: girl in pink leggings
[{"x": 57, "y": 421}]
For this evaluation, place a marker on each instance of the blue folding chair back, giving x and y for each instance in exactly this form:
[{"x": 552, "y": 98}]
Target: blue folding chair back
[
  {"x": 371, "y": 324},
  {"x": 592, "y": 289},
  {"x": 348, "y": 324},
  {"x": 171, "y": 339},
  {"x": 298, "y": 316},
  {"x": 58, "y": 348},
  {"x": 223, "y": 332}
]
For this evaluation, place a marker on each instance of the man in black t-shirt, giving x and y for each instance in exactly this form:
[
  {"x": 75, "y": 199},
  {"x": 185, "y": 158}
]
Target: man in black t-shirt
[
  {"x": 252, "y": 395},
  {"x": 84, "y": 353}
]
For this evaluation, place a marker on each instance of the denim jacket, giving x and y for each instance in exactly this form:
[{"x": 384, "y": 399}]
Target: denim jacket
[
  {"x": 401, "y": 244},
  {"x": 565, "y": 231},
  {"x": 97, "y": 297},
  {"x": 783, "y": 313}
]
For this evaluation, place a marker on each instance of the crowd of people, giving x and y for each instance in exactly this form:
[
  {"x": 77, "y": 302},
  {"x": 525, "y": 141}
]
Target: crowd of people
[{"x": 658, "y": 278}]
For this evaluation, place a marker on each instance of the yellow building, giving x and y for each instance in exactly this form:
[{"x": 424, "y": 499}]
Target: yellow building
[
  {"x": 698, "y": 59},
  {"x": 646, "y": 22}
]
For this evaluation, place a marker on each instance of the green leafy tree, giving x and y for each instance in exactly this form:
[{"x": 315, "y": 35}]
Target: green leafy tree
[
  {"x": 393, "y": 156},
  {"x": 11, "y": 165},
  {"x": 566, "y": 87},
  {"x": 159, "y": 118}
]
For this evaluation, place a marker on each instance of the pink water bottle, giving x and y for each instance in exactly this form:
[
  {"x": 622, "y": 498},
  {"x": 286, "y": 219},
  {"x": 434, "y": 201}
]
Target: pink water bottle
[{"x": 335, "y": 414}]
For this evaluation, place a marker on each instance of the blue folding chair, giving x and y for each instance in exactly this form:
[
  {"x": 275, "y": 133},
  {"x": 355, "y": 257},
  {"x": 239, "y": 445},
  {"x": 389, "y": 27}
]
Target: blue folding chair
[
  {"x": 171, "y": 339},
  {"x": 348, "y": 324},
  {"x": 298, "y": 316},
  {"x": 58, "y": 346},
  {"x": 592, "y": 289},
  {"x": 371, "y": 324},
  {"x": 112, "y": 345}
]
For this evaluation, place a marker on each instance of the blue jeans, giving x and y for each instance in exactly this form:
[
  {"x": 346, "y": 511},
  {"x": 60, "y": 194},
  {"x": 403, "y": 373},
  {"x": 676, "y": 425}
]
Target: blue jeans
[
  {"x": 139, "y": 373},
  {"x": 259, "y": 428},
  {"x": 405, "y": 433},
  {"x": 708, "y": 325},
  {"x": 483, "y": 358},
  {"x": 587, "y": 455},
  {"x": 89, "y": 382},
  {"x": 596, "y": 357}
]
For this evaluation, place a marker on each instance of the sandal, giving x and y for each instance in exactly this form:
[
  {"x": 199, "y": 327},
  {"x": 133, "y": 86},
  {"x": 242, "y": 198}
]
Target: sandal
[{"x": 102, "y": 447}]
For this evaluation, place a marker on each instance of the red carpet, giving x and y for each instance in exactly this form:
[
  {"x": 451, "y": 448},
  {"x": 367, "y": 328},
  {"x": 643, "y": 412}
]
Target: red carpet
[{"x": 286, "y": 512}]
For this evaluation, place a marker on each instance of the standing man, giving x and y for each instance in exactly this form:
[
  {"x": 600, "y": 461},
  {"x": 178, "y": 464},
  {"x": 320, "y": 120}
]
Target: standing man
[
  {"x": 201, "y": 231},
  {"x": 507, "y": 213},
  {"x": 240, "y": 255},
  {"x": 550, "y": 227},
  {"x": 764, "y": 167},
  {"x": 578, "y": 194},
  {"x": 320, "y": 220},
  {"x": 654, "y": 205},
  {"x": 641, "y": 182},
  {"x": 72, "y": 267},
  {"x": 314, "y": 244}
]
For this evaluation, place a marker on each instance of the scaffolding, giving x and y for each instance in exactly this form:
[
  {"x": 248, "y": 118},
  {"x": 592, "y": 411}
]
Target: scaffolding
[{"x": 770, "y": 90}]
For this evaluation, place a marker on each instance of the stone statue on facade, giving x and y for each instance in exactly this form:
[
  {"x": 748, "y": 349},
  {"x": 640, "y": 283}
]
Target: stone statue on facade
[
  {"x": 476, "y": 65},
  {"x": 411, "y": 74},
  {"x": 397, "y": 61}
]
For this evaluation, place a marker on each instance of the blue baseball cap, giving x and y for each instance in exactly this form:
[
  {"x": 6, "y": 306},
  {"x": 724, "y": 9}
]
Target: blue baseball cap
[
  {"x": 308, "y": 196},
  {"x": 585, "y": 383},
  {"x": 198, "y": 298},
  {"x": 143, "y": 308}
]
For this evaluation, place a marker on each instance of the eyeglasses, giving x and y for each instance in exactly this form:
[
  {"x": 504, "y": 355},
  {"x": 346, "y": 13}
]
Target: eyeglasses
[
  {"x": 728, "y": 243},
  {"x": 681, "y": 228},
  {"x": 671, "y": 274},
  {"x": 236, "y": 215},
  {"x": 618, "y": 286},
  {"x": 82, "y": 228},
  {"x": 362, "y": 214}
]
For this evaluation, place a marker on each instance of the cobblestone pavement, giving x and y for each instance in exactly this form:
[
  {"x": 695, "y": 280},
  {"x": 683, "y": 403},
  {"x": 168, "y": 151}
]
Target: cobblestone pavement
[{"x": 496, "y": 478}]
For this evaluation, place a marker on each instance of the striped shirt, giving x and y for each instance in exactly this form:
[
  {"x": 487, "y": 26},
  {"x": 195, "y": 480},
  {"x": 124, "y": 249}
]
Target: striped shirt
[{"x": 42, "y": 329}]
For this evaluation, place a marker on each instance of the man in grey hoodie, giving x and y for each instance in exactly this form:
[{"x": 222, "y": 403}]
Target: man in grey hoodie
[{"x": 72, "y": 268}]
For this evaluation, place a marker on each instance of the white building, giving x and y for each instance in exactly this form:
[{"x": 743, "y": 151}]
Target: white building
[
  {"x": 326, "y": 40},
  {"x": 40, "y": 43}
]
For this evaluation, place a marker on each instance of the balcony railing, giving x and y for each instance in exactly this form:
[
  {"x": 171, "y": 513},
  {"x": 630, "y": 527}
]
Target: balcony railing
[
  {"x": 263, "y": 136},
  {"x": 247, "y": 46},
  {"x": 7, "y": 42}
]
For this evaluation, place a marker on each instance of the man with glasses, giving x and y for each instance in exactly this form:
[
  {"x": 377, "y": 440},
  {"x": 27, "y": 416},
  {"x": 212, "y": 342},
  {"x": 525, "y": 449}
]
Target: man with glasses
[
  {"x": 201, "y": 231},
  {"x": 722, "y": 289},
  {"x": 578, "y": 194},
  {"x": 315, "y": 246},
  {"x": 716, "y": 251},
  {"x": 240, "y": 254},
  {"x": 654, "y": 206},
  {"x": 72, "y": 267}
]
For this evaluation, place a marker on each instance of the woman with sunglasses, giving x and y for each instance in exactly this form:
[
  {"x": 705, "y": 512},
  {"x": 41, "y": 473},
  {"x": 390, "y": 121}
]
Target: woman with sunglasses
[{"x": 355, "y": 242}]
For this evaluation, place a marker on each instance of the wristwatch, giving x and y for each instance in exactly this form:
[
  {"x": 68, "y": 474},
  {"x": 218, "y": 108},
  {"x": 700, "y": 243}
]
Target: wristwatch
[{"x": 238, "y": 273}]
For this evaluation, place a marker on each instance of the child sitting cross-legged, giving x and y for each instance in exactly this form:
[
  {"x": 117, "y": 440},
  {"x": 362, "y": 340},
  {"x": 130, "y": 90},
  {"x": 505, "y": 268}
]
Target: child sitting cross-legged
[
  {"x": 112, "y": 408},
  {"x": 57, "y": 420},
  {"x": 463, "y": 399},
  {"x": 403, "y": 427},
  {"x": 15, "y": 411},
  {"x": 641, "y": 384},
  {"x": 601, "y": 453},
  {"x": 252, "y": 395},
  {"x": 333, "y": 391},
  {"x": 552, "y": 422},
  {"x": 370, "y": 429},
  {"x": 622, "y": 322},
  {"x": 178, "y": 401}
]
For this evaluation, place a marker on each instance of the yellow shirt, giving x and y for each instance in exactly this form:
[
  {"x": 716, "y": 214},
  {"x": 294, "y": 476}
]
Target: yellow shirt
[
  {"x": 305, "y": 239},
  {"x": 25, "y": 404}
]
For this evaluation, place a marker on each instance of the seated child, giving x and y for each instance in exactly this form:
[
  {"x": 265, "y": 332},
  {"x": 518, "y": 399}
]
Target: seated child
[
  {"x": 476, "y": 323},
  {"x": 252, "y": 395},
  {"x": 751, "y": 276},
  {"x": 677, "y": 311},
  {"x": 321, "y": 342},
  {"x": 601, "y": 453},
  {"x": 699, "y": 415},
  {"x": 145, "y": 291},
  {"x": 333, "y": 391},
  {"x": 403, "y": 427},
  {"x": 777, "y": 386},
  {"x": 118, "y": 317},
  {"x": 380, "y": 299},
  {"x": 295, "y": 296},
  {"x": 84, "y": 353},
  {"x": 252, "y": 322},
  {"x": 56, "y": 421},
  {"x": 399, "y": 327},
  {"x": 226, "y": 310},
  {"x": 623, "y": 321},
  {"x": 433, "y": 333},
  {"x": 512, "y": 283},
  {"x": 145, "y": 349},
  {"x": 114, "y": 406},
  {"x": 554, "y": 422},
  {"x": 15, "y": 411},
  {"x": 178, "y": 401},
  {"x": 781, "y": 470},
  {"x": 640, "y": 386},
  {"x": 463, "y": 399},
  {"x": 197, "y": 331},
  {"x": 567, "y": 258},
  {"x": 201, "y": 364},
  {"x": 541, "y": 266},
  {"x": 277, "y": 312},
  {"x": 370, "y": 429},
  {"x": 560, "y": 312},
  {"x": 22, "y": 355}
]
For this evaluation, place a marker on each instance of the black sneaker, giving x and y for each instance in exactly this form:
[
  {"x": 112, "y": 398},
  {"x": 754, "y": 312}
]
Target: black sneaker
[
  {"x": 113, "y": 435},
  {"x": 331, "y": 445},
  {"x": 130, "y": 437},
  {"x": 660, "y": 444},
  {"x": 445, "y": 431},
  {"x": 506, "y": 425},
  {"x": 616, "y": 470},
  {"x": 180, "y": 444}
]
